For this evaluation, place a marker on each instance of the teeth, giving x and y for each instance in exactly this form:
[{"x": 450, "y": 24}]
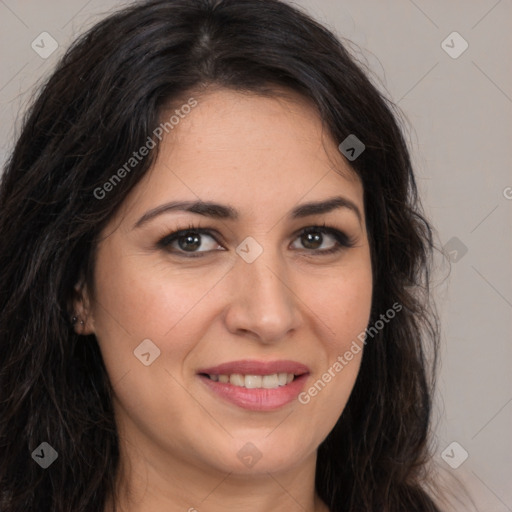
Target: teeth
[
  {"x": 255, "y": 381},
  {"x": 237, "y": 380},
  {"x": 270, "y": 381}
]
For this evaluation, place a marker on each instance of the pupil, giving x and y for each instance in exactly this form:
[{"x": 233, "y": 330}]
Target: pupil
[
  {"x": 192, "y": 240},
  {"x": 314, "y": 239}
]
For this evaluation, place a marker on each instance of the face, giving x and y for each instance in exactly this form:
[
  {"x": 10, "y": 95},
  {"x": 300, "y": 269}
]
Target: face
[{"x": 214, "y": 338}]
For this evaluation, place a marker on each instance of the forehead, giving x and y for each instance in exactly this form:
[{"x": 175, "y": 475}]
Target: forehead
[{"x": 249, "y": 150}]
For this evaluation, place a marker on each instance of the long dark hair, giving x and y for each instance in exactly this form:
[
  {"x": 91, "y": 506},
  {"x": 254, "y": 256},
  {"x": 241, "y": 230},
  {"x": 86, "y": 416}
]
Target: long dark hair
[{"x": 105, "y": 98}]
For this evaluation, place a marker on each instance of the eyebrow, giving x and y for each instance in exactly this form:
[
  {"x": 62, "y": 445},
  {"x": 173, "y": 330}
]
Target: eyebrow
[{"x": 220, "y": 211}]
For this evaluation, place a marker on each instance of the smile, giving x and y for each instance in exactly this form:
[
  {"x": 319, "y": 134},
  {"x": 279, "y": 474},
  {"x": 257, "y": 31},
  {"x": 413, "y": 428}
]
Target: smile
[{"x": 256, "y": 385}]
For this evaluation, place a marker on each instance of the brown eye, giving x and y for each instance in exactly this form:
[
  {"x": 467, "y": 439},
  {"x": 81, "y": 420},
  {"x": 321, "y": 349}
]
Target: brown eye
[
  {"x": 189, "y": 241},
  {"x": 312, "y": 240},
  {"x": 314, "y": 237}
]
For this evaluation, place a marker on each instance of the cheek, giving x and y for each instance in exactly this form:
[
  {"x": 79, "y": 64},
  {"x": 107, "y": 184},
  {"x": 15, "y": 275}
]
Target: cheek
[
  {"x": 137, "y": 302},
  {"x": 343, "y": 303},
  {"x": 134, "y": 303},
  {"x": 145, "y": 300},
  {"x": 344, "y": 306}
]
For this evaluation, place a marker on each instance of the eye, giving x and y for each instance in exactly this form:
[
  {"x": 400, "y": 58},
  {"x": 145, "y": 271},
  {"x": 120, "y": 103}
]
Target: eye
[
  {"x": 188, "y": 241},
  {"x": 312, "y": 239}
]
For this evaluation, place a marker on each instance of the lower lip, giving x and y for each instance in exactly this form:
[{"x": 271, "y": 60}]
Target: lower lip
[{"x": 258, "y": 399}]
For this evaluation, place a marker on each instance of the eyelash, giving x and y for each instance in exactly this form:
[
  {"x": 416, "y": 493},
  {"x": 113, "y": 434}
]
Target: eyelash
[{"x": 343, "y": 241}]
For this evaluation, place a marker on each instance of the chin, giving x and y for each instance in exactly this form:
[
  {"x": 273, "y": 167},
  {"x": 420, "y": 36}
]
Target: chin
[{"x": 260, "y": 455}]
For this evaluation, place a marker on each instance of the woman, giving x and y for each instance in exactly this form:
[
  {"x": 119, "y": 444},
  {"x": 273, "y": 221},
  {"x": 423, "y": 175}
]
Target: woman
[{"x": 214, "y": 275}]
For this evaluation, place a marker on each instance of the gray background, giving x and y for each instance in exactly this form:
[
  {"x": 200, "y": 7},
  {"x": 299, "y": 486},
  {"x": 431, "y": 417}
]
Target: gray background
[{"x": 458, "y": 120}]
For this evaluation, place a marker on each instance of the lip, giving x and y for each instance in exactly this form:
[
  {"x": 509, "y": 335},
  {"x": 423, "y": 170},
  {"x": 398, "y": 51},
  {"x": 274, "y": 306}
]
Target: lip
[
  {"x": 253, "y": 367},
  {"x": 258, "y": 399}
]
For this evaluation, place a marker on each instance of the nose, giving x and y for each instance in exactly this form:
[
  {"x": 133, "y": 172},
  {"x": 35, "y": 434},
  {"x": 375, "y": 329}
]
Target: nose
[{"x": 262, "y": 302}]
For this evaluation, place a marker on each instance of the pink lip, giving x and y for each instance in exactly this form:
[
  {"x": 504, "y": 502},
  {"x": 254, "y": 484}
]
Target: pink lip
[
  {"x": 258, "y": 399},
  {"x": 252, "y": 367}
]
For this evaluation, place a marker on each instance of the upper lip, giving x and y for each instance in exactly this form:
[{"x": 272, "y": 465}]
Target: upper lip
[{"x": 253, "y": 367}]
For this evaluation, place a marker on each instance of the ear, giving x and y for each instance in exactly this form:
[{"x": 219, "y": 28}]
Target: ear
[{"x": 82, "y": 309}]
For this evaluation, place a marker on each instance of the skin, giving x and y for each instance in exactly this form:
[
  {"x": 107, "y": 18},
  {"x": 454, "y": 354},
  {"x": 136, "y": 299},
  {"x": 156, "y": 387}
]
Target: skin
[{"x": 178, "y": 440}]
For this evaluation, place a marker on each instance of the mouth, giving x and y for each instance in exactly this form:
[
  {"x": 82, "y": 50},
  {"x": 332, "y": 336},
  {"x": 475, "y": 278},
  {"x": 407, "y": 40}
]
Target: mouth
[
  {"x": 272, "y": 381},
  {"x": 256, "y": 385}
]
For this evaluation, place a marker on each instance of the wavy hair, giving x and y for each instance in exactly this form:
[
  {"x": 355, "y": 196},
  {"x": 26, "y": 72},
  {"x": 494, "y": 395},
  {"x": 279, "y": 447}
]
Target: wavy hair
[{"x": 107, "y": 94}]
